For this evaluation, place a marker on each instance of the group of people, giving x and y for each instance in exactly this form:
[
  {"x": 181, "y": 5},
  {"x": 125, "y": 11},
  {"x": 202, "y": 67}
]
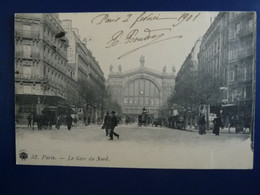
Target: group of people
[
  {"x": 202, "y": 124},
  {"x": 46, "y": 121},
  {"x": 110, "y": 122},
  {"x": 43, "y": 121}
]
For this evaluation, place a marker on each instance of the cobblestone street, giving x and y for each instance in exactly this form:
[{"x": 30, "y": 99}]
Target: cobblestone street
[{"x": 141, "y": 147}]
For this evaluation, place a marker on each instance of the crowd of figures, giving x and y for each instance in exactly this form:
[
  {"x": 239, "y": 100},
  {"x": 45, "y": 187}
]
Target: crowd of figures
[
  {"x": 240, "y": 124},
  {"x": 46, "y": 120}
]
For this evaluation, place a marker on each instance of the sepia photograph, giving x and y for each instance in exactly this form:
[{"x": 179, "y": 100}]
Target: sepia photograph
[{"x": 155, "y": 90}]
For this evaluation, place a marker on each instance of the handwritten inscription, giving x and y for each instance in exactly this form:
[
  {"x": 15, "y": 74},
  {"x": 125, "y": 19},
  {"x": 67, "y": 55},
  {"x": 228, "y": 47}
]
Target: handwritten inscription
[
  {"x": 153, "y": 36},
  {"x": 143, "y": 36}
]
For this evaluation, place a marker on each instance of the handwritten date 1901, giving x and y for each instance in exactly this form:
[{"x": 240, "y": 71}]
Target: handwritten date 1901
[{"x": 143, "y": 17}]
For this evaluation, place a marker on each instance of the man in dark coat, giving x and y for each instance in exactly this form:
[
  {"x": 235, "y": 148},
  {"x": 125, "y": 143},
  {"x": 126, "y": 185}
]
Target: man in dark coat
[
  {"x": 69, "y": 121},
  {"x": 29, "y": 119},
  {"x": 107, "y": 123},
  {"x": 202, "y": 124},
  {"x": 114, "y": 123},
  {"x": 217, "y": 124}
]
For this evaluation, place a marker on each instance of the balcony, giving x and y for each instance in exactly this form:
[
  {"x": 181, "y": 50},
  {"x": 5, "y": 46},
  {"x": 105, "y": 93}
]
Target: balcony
[
  {"x": 232, "y": 59},
  {"x": 33, "y": 55},
  {"x": 27, "y": 33},
  {"x": 245, "y": 52},
  {"x": 244, "y": 32},
  {"x": 56, "y": 85},
  {"x": 232, "y": 39}
]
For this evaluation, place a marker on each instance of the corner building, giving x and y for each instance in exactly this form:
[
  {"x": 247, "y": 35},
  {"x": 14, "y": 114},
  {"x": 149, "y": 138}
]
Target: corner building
[
  {"x": 43, "y": 79},
  {"x": 139, "y": 88}
]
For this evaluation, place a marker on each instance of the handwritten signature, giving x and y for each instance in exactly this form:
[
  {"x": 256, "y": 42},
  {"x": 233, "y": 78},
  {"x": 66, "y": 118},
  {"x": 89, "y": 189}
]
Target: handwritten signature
[
  {"x": 151, "y": 35},
  {"x": 148, "y": 36}
]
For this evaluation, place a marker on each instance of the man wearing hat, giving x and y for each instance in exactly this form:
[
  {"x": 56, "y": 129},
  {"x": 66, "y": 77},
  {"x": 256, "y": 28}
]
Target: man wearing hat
[{"x": 114, "y": 123}]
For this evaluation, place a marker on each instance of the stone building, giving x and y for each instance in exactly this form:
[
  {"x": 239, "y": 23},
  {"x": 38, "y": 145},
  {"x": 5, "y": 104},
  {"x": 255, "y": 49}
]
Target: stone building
[
  {"x": 139, "y": 88},
  {"x": 227, "y": 63},
  {"x": 240, "y": 89},
  {"x": 43, "y": 79},
  {"x": 187, "y": 95},
  {"x": 212, "y": 68},
  {"x": 88, "y": 74}
]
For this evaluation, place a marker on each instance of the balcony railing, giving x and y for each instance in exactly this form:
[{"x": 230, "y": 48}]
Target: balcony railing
[
  {"x": 21, "y": 54},
  {"x": 244, "y": 32},
  {"x": 232, "y": 59},
  {"x": 29, "y": 77},
  {"x": 245, "y": 52},
  {"x": 232, "y": 39},
  {"x": 56, "y": 85}
]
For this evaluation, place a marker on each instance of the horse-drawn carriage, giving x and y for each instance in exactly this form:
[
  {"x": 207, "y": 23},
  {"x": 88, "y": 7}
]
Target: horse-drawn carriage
[
  {"x": 143, "y": 119},
  {"x": 45, "y": 119}
]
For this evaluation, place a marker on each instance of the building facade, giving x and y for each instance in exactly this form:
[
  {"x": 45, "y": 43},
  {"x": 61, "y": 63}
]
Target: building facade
[
  {"x": 43, "y": 79},
  {"x": 186, "y": 86},
  {"x": 139, "y": 88},
  {"x": 241, "y": 62},
  {"x": 88, "y": 75},
  {"x": 227, "y": 64},
  {"x": 213, "y": 68}
]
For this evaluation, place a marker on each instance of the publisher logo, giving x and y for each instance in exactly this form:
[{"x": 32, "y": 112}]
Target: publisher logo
[{"x": 23, "y": 155}]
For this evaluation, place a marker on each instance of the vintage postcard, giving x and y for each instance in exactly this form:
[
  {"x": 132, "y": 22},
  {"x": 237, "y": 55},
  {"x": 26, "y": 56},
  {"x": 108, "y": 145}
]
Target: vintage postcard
[{"x": 167, "y": 90}]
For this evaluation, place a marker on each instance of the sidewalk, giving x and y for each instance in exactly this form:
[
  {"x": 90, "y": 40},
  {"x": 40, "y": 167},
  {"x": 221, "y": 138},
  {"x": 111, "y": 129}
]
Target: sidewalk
[
  {"x": 23, "y": 126},
  {"x": 82, "y": 126},
  {"x": 222, "y": 130}
]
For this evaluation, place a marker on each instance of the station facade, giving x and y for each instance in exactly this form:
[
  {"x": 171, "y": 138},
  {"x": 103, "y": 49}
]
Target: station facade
[{"x": 139, "y": 88}]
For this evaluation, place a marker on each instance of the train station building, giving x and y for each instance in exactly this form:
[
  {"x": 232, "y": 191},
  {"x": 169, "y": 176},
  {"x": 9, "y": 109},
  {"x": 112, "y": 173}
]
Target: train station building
[{"x": 139, "y": 88}]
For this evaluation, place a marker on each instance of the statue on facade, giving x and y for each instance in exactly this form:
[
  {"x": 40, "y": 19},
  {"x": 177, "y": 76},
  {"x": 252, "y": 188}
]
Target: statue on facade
[
  {"x": 164, "y": 70},
  {"x": 111, "y": 68},
  {"x": 142, "y": 61},
  {"x": 120, "y": 68},
  {"x": 173, "y": 69}
]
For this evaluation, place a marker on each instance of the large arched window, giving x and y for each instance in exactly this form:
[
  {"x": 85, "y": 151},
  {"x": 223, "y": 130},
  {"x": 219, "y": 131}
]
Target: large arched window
[{"x": 141, "y": 92}]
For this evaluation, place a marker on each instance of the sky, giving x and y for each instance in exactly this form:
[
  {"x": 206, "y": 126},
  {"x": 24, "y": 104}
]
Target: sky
[{"x": 121, "y": 38}]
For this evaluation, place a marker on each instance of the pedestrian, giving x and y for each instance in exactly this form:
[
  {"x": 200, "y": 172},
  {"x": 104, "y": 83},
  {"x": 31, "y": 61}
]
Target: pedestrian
[
  {"x": 58, "y": 122},
  {"x": 75, "y": 120},
  {"x": 107, "y": 123},
  {"x": 202, "y": 124},
  {"x": 69, "y": 121},
  {"x": 217, "y": 124},
  {"x": 114, "y": 123},
  {"x": 29, "y": 119},
  {"x": 85, "y": 120}
]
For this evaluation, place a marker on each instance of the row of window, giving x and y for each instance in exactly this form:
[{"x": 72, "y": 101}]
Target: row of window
[
  {"x": 142, "y": 87},
  {"x": 241, "y": 93},
  {"x": 48, "y": 35},
  {"x": 31, "y": 50},
  {"x": 213, "y": 66},
  {"x": 56, "y": 77},
  {"x": 211, "y": 51},
  {"x": 51, "y": 35},
  {"x": 239, "y": 73}
]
